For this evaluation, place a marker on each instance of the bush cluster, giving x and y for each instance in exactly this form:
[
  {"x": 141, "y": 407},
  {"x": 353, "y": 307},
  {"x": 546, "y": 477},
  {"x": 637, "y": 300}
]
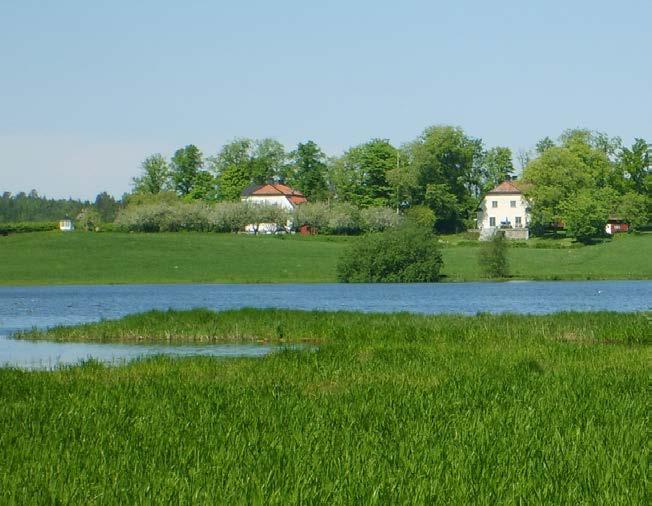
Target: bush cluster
[
  {"x": 27, "y": 226},
  {"x": 234, "y": 216},
  {"x": 407, "y": 254},
  {"x": 493, "y": 257}
]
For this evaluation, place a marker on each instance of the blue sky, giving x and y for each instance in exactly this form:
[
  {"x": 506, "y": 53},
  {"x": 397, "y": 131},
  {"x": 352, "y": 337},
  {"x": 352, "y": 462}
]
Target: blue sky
[{"x": 89, "y": 89}]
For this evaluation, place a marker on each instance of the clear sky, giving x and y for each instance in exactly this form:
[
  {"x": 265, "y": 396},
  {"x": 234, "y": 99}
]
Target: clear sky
[{"x": 88, "y": 89}]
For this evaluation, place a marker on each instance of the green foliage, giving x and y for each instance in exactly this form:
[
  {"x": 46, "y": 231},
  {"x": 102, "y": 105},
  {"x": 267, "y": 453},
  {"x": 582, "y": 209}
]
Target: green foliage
[
  {"x": 586, "y": 165},
  {"x": 232, "y": 181},
  {"x": 386, "y": 408},
  {"x": 155, "y": 175},
  {"x": 421, "y": 216},
  {"x": 586, "y": 212},
  {"x": 106, "y": 207},
  {"x": 408, "y": 254},
  {"x": 204, "y": 187},
  {"x": 184, "y": 167},
  {"x": 446, "y": 163},
  {"x": 493, "y": 256},
  {"x": 307, "y": 171},
  {"x": 377, "y": 219},
  {"x": 27, "y": 226},
  {"x": 553, "y": 177},
  {"x": 636, "y": 165},
  {"x": 544, "y": 144},
  {"x": 245, "y": 161},
  {"x": 268, "y": 161},
  {"x": 88, "y": 220},
  {"x": 360, "y": 175},
  {"x": 497, "y": 166},
  {"x": 24, "y": 207},
  {"x": 634, "y": 209}
]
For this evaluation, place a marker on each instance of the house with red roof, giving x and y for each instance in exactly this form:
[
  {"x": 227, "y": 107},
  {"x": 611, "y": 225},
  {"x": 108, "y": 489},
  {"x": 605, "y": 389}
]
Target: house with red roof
[
  {"x": 504, "y": 208},
  {"x": 278, "y": 194}
]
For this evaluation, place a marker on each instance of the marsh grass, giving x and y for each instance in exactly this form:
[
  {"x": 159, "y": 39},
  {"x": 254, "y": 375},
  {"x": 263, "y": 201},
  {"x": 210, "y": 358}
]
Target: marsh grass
[{"x": 388, "y": 408}]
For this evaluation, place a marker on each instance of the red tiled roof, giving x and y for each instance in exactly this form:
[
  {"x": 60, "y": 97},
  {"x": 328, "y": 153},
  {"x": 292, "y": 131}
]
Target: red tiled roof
[
  {"x": 506, "y": 187},
  {"x": 271, "y": 189},
  {"x": 296, "y": 199}
]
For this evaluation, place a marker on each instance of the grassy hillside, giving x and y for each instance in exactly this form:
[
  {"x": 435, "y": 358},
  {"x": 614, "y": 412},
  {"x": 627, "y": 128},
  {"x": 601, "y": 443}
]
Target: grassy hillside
[
  {"x": 387, "y": 409},
  {"x": 54, "y": 257}
]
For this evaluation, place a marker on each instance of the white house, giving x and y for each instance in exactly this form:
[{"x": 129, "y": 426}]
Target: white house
[
  {"x": 504, "y": 208},
  {"x": 272, "y": 194},
  {"x": 66, "y": 225}
]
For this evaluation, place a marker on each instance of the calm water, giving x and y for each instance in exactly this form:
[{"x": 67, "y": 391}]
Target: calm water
[{"x": 44, "y": 306}]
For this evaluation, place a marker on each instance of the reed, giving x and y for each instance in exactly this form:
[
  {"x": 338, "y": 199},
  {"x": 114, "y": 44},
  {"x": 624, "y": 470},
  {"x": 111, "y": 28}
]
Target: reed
[{"x": 394, "y": 408}]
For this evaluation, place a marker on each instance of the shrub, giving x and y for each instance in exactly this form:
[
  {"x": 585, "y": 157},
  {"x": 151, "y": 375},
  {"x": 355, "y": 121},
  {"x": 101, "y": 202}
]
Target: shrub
[
  {"x": 377, "y": 219},
  {"x": 422, "y": 216},
  {"x": 88, "y": 219},
  {"x": 493, "y": 257},
  {"x": 27, "y": 226},
  {"x": 407, "y": 254},
  {"x": 344, "y": 219}
]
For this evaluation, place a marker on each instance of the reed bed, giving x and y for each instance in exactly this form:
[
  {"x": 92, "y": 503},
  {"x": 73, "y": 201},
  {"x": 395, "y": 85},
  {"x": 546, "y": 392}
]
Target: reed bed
[{"x": 393, "y": 408}]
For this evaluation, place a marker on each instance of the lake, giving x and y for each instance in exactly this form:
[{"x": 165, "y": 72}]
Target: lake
[{"x": 43, "y": 306}]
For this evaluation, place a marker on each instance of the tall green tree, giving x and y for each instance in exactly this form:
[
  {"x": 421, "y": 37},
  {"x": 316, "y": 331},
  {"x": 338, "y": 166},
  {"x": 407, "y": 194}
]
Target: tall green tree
[
  {"x": 447, "y": 166},
  {"x": 580, "y": 162},
  {"x": 363, "y": 173},
  {"x": 585, "y": 213},
  {"x": 544, "y": 144},
  {"x": 186, "y": 163},
  {"x": 204, "y": 187},
  {"x": 498, "y": 166},
  {"x": 308, "y": 171},
  {"x": 155, "y": 175},
  {"x": 244, "y": 161},
  {"x": 268, "y": 161},
  {"x": 635, "y": 164},
  {"x": 106, "y": 207}
]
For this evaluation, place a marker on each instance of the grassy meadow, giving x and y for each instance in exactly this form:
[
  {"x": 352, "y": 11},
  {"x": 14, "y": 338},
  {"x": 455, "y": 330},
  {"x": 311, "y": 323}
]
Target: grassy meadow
[
  {"x": 82, "y": 258},
  {"x": 381, "y": 408}
]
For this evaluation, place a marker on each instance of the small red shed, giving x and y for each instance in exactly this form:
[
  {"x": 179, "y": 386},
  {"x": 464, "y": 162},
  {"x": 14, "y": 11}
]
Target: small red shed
[{"x": 616, "y": 225}]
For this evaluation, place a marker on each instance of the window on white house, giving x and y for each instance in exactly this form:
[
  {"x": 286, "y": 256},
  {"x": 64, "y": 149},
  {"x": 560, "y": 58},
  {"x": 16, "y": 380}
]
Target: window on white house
[
  {"x": 492, "y": 222},
  {"x": 517, "y": 220},
  {"x": 494, "y": 203},
  {"x": 512, "y": 203}
]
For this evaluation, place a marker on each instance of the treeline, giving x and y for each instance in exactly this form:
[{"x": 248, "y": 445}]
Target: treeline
[
  {"x": 31, "y": 207},
  {"x": 585, "y": 178},
  {"x": 444, "y": 170},
  {"x": 576, "y": 181}
]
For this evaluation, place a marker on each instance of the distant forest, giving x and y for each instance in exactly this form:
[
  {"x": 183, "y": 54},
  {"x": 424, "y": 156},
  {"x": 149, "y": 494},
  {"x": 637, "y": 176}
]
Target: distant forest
[{"x": 33, "y": 207}]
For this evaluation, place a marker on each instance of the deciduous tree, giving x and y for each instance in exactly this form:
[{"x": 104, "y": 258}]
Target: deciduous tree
[
  {"x": 186, "y": 163},
  {"x": 155, "y": 175},
  {"x": 308, "y": 171}
]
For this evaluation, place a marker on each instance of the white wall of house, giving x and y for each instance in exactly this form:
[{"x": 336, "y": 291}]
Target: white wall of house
[
  {"x": 66, "y": 226},
  {"x": 278, "y": 200},
  {"x": 507, "y": 209}
]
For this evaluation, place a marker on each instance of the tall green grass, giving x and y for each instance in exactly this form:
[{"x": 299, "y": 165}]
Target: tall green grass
[{"x": 386, "y": 409}]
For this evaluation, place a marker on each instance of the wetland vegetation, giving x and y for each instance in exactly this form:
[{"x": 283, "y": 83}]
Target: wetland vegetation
[{"x": 385, "y": 408}]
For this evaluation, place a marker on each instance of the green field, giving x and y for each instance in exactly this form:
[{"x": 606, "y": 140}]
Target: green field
[
  {"x": 56, "y": 258},
  {"x": 379, "y": 409}
]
